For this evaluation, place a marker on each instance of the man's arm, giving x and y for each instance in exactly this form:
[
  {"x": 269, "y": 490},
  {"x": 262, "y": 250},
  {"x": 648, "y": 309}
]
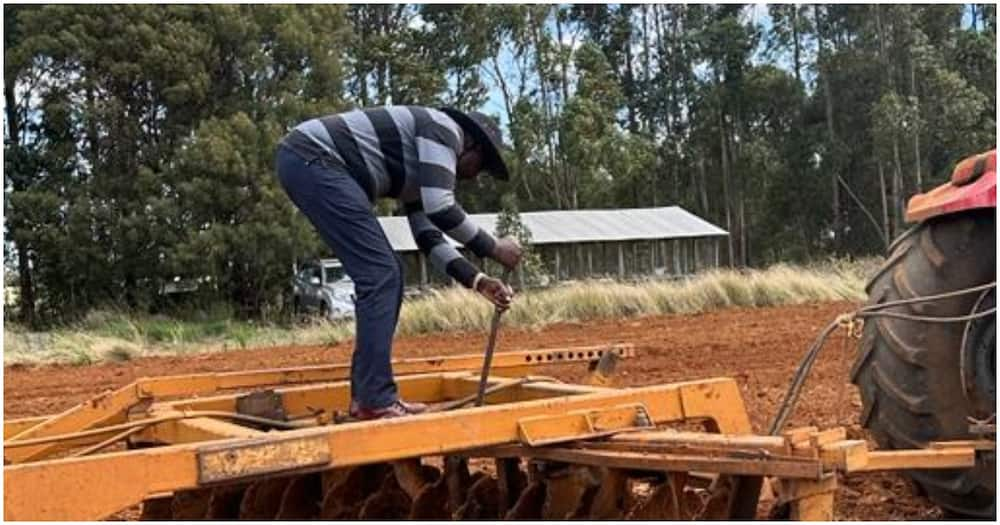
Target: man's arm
[
  {"x": 438, "y": 142},
  {"x": 443, "y": 256},
  {"x": 446, "y": 259}
]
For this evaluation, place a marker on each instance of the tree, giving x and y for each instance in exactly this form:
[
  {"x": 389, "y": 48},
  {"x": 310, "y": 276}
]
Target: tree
[
  {"x": 139, "y": 139},
  {"x": 20, "y": 150},
  {"x": 123, "y": 93},
  {"x": 392, "y": 57},
  {"x": 531, "y": 271}
]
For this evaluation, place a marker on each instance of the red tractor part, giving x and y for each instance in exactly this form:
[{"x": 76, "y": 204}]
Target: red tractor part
[
  {"x": 922, "y": 382},
  {"x": 973, "y": 185}
]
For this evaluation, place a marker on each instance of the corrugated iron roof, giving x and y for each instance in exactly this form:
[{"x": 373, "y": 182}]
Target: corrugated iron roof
[{"x": 571, "y": 226}]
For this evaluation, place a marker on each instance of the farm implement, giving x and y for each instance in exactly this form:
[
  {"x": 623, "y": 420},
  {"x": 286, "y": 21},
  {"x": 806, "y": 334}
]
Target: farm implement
[{"x": 272, "y": 444}]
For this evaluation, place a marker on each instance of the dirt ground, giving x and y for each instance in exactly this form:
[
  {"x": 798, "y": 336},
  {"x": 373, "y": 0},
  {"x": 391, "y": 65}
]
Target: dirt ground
[{"x": 760, "y": 348}]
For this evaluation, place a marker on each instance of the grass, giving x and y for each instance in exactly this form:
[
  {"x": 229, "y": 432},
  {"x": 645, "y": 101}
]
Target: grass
[
  {"x": 453, "y": 309},
  {"x": 117, "y": 336}
]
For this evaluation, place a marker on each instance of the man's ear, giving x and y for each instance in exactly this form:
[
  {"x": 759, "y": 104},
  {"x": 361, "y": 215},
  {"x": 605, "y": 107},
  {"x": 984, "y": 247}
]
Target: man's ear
[{"x": 467, "y": 143}]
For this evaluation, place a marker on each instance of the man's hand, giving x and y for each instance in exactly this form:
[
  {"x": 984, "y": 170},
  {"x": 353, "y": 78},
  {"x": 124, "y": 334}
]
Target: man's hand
[
  {"x": 507, "y": 252},
  {"x": 495, "y": 291}
]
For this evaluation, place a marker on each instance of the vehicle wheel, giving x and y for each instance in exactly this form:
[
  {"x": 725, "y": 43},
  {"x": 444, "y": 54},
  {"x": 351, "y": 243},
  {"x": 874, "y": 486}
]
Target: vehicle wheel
[{"x": 910, "y": 373}]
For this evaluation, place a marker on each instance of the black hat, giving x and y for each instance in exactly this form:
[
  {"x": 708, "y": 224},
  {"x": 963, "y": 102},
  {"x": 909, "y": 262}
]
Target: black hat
[{"x": 485, "y": 131}]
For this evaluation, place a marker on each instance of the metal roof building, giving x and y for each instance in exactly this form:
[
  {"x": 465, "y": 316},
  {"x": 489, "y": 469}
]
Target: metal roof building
[
  {"x": 575, "y": 226},
  {"x": 589, "y": 243}
]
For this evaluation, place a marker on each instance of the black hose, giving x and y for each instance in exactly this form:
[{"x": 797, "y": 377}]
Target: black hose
[{"x": 805, "y": 365}]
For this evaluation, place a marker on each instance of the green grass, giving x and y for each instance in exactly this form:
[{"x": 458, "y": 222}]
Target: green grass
[{"x": 116, "y": 336}]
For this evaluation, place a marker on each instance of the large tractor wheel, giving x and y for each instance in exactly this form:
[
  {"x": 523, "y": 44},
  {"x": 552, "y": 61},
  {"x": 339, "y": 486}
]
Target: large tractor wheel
[{"x": 921, "y": 381}]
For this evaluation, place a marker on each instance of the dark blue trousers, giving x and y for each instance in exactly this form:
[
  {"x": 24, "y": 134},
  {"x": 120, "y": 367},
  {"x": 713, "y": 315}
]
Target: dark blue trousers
[{"x": 340, "y": 211}]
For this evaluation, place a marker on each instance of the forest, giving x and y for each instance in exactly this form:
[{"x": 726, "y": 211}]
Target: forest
[{"x": 139, "y": 140}]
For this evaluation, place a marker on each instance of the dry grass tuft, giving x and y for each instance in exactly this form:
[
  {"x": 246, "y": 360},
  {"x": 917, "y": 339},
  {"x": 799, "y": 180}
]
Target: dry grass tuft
[{"x": 117, "y": 336}]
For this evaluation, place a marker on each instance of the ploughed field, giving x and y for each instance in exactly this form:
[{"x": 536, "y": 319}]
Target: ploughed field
[{"x": 760, "y": 348}]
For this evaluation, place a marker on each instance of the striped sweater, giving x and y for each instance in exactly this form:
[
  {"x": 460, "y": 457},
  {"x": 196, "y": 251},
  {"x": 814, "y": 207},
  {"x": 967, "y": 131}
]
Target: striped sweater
[{"x": 408, "y": 153}]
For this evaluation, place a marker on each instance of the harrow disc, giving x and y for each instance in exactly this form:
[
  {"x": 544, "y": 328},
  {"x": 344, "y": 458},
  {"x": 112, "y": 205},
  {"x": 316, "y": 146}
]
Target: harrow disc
[
  {"x": 347, "y": 490},
  {"x": 301, "y": 498},
  {"x": 508, "y": 489},
  {"x": 262, "y": 499},
  {"x": 389, "y": 502}
]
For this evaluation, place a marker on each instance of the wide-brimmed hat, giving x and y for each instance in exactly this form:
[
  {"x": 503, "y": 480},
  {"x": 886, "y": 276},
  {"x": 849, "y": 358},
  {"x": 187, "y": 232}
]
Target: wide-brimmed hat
[{"x": 485, "y": 131}]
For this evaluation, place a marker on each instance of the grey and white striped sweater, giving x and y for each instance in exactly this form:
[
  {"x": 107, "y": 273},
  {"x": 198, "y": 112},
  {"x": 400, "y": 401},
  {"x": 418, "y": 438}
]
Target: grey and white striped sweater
[{"x": 408, "y": 153}]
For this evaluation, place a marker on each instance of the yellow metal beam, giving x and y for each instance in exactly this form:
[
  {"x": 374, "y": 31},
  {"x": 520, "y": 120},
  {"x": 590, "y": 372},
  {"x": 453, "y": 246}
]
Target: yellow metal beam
[
  {"x": 93, "y": 487},
  {"x": 772, "y": 444},
  {"x": 670, "y": 462},
  {"x": 15, "y": 426},
  {"x": 214, "y": 382},
  {"x": 947, "y": 458},
  {"x": 848, "y": 455},
  {"x": 302, "y": 400},
  {"x": 462, "y": 386},
  {"x": 809, "y": 500},
  {"x": 196, "y": 430},
  {"x": 86, "y": 491},
  {"x": 977, "y": 444},
  {"x": 429, "y": 388},
  {"x": 580, "y": 424},
  {"x": 61, "y": 446},
  {"x": 107, "y": 408}
]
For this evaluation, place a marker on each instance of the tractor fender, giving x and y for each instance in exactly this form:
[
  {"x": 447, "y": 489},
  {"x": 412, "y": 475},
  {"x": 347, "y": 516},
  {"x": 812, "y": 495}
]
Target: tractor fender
[{"x": 973, "y": 184}]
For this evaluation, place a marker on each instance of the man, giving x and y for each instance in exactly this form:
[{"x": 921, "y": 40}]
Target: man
[{"x": 334, "y": 168}]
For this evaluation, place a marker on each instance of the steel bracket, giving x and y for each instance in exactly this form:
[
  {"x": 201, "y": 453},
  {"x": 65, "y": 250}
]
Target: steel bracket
[{"x": 582, "y": 424}]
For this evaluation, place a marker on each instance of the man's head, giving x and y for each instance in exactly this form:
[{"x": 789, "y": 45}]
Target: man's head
[
  {"x": 470, "y": 161},
  {"x": 482, "y": 147}
]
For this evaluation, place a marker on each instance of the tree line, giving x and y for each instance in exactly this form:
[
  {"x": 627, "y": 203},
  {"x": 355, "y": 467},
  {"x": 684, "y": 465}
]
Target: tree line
[{"x": 139, "y": 139}]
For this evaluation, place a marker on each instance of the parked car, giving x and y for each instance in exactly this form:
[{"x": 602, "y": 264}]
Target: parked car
[{"x": 323, "y": 286}]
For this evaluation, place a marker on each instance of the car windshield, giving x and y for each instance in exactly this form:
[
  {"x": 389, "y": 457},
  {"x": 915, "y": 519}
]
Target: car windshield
[{"x": 334, "y": 273}]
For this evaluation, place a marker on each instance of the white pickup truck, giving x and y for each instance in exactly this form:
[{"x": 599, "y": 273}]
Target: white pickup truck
[{"x": 322, "y": 286}]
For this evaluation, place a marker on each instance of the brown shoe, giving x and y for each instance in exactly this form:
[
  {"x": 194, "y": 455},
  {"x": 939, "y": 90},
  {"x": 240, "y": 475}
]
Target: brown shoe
[
  {"x": 398, "y": 409},
  {"x": 413, "y": 408}
]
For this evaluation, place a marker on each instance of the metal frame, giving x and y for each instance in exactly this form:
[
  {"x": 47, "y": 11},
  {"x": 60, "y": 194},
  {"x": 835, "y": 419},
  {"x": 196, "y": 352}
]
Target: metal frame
[
  {"x": 87, "y": 491},
  {"x": 111, "y": 407},
  {"x": 200, "y": 445}
]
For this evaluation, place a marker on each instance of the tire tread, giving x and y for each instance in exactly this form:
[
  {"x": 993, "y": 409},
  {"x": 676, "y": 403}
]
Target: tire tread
[{"x": 909, "y": 386}]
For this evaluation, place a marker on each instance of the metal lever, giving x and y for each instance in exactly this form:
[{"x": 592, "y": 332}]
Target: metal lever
[{"x": 490, "y": 345}]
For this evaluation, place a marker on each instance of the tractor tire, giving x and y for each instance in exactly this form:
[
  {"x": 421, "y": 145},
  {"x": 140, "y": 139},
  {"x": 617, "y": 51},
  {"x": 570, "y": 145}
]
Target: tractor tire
[{"x": 909, "y": 373}]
